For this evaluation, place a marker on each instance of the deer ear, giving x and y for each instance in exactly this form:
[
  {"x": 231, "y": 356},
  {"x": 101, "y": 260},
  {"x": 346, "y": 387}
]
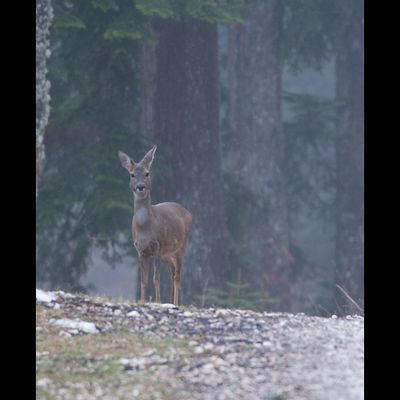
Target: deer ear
[
  {"x": 126, "y": 161},
  {"x": 149, "y": 157}
]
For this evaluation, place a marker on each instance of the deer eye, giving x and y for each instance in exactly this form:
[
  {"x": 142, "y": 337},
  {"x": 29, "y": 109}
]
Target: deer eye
[
  {"x": 132, "y": 175},
  {"x": 147, "y": 174}
]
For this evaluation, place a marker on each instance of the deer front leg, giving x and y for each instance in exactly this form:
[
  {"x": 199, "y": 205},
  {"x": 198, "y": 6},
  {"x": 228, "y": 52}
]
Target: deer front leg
[
  {"x": 177, "y": 274},
  {"x": 144, "y": 277},
  {"x": 156, "y": 279},
  {"x": 175, "y": 278}
]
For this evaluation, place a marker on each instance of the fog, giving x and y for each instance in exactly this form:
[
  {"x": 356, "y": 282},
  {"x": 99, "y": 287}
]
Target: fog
[{"x": 256, "y": 109}]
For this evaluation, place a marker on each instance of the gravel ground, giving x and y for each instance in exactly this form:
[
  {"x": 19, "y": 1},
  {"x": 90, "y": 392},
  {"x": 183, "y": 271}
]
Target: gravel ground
[{"x": 190, "y": 353}]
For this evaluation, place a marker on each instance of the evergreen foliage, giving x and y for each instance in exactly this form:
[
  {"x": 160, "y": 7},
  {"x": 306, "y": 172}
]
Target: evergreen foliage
[{"x": 93, "y": 71}]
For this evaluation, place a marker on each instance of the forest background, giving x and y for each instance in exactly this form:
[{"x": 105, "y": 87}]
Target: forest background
[{"x": 257, "y": 111}]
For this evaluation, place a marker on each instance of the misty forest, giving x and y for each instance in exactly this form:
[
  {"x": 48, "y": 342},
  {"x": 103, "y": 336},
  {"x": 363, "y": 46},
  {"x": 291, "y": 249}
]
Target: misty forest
[{"x": 257, "y": 112}]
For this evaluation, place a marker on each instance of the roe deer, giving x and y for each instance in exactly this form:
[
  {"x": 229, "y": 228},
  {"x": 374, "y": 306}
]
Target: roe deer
[{"x": 160, "y": 231}]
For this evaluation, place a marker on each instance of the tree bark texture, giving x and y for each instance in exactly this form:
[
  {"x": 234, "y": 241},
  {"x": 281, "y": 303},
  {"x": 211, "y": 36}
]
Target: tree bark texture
[
  {"x": 258, "y": 142},
  {"x": 186, "y": 129},
  {"x": 350, "y": 151},
  {"x": 44, "y": 15}
]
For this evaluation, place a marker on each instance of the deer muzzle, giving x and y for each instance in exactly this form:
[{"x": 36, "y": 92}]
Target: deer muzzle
[{"x": 140, "y": 187}]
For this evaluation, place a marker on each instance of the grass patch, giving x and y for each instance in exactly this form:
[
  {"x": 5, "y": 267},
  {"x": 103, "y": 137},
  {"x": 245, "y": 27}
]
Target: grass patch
[{"x": 68, "y": 366}]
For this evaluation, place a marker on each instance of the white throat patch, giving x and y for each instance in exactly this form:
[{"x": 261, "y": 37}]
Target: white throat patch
[{"x": 141, "y": 216}]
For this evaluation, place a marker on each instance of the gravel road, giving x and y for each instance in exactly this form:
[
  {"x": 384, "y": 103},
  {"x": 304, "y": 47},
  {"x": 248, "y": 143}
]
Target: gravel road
[{"x": 233, "y": 354}]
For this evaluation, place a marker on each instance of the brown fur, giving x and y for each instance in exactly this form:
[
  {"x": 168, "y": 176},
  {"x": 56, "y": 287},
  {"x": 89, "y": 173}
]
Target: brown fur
[{"x": 160, "y": 231}]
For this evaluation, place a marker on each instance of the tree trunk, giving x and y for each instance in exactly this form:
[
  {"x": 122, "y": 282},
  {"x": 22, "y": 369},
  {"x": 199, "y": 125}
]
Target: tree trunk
[
  {"x": 350, "y": 152},
  {"x": 44, "y": 15},
  {"x": 258, "y": 142},
  {"x": 186, "y": 112}
]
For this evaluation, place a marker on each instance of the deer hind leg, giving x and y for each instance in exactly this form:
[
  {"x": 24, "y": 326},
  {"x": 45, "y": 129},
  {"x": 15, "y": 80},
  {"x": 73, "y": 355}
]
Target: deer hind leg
[
  {"x": 144, "y": 277},
  {"x": 177, "y": 277},
  {"x": 156, "y": 279},
  {"x": 177, "y": 286},
  {"x": 171, "y": 270}
]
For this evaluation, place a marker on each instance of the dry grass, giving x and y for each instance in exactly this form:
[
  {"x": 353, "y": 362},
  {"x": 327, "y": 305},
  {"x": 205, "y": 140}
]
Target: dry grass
[{"x": 83, "y": 364}]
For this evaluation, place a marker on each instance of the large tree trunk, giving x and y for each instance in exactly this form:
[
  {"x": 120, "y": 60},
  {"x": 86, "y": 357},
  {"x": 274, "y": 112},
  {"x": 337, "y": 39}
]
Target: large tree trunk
[
  {"x": 186, "y": 128},
  {"x": 350, "y": 152},
  {"x": 258, "y": 141},
  {"x": 44, "y": 15}
]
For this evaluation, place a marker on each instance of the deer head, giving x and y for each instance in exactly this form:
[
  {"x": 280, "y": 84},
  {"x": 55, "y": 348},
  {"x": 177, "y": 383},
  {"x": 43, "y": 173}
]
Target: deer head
[{"x": 140, "y": 182}]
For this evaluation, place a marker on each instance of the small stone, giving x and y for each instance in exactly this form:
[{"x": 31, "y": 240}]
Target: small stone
[
  {"x": 208, "y": 367},
  {"x": 208, "y": 346},
  {"x": 117, "y": 312},
  {"x": 168, "y": 306},
  {"x": 187, "y": 314},
  {"x": 65, "y": 295},
  {"x": 222, "y": 312},
  {"x": 199, "y": 350},
  {"x": 43, "y": 382},
  {"x": 133, "y": 313}
]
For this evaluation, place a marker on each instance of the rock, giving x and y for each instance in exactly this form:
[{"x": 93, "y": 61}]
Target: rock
[
  {"x": 44, "y": 382},
  {"x": 225, "y": 354},
  {"x": 199, "y": 350},
  {"x": 133, "y": 314},
  {"x": 168, "y": 306},
  {"x": 187, "y": 314},
  {"x": 222, "y": 312},
  {"x": 65, "y": 295}
]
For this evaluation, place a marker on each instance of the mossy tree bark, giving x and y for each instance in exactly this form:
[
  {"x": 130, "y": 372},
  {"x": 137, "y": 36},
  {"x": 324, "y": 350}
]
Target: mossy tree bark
[{"x": 44, "y": 15}]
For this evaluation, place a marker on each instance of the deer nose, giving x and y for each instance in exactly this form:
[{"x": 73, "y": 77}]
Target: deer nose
[{"x": 140, "y": 186}]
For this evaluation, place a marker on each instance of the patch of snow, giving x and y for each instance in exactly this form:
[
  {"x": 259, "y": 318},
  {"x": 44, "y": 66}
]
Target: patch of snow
[
  {"x": 87, "y": 327},
  {"x": 45, "y": 297}
]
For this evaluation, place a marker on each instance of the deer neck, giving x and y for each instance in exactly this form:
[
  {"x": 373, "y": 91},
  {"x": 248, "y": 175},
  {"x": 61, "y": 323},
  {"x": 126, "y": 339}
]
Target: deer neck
[{"x": 143, "y": 212}]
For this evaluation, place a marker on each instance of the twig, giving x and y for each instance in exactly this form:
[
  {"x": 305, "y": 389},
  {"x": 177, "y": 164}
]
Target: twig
[{"x": 349, "y": 298}]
